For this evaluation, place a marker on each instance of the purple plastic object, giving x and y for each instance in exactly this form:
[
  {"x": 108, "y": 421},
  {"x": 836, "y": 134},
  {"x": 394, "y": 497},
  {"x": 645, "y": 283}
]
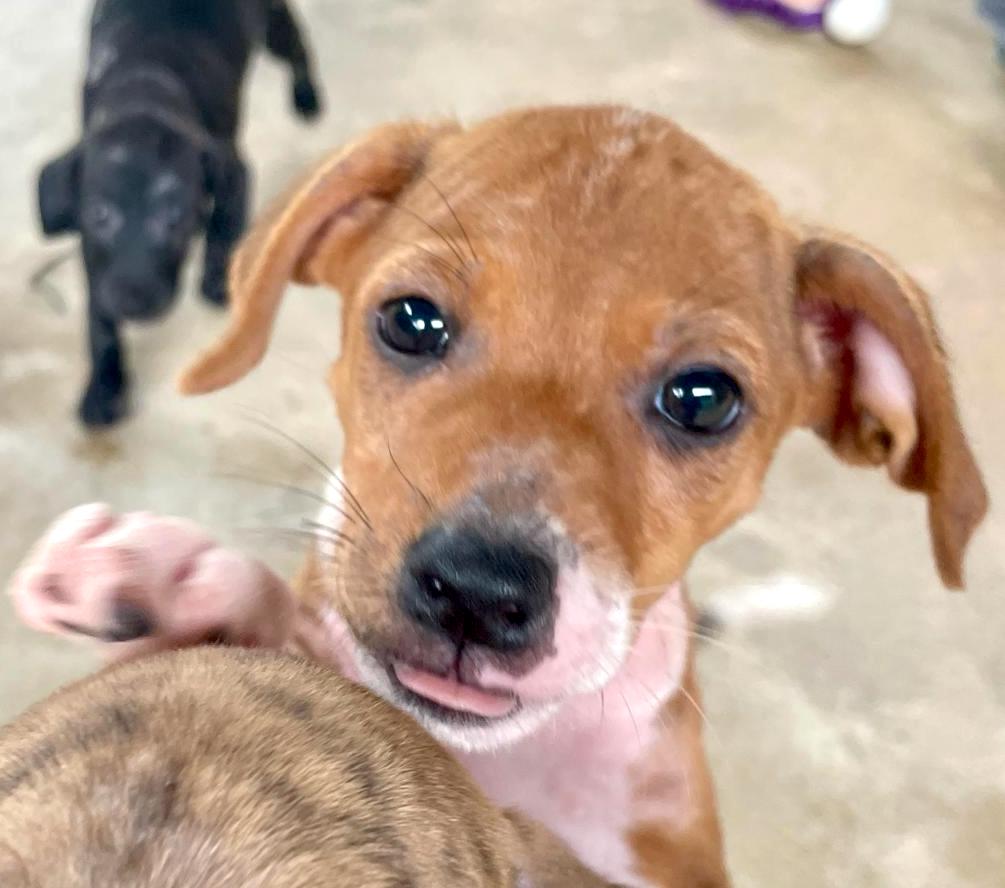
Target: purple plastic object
[{"x": 786, "y": 15}]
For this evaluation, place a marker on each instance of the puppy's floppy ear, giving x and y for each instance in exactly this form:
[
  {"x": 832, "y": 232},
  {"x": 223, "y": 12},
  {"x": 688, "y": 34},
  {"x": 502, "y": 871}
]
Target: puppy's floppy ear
[
  {"x": 59, "y": 193},
  {"x": 881, "y": 385},
  {"x": 304, "y": 236}
]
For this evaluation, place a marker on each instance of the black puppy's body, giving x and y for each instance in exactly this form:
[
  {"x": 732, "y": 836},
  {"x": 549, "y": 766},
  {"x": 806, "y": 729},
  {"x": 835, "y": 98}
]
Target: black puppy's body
[{"x": 158, "y": 160}]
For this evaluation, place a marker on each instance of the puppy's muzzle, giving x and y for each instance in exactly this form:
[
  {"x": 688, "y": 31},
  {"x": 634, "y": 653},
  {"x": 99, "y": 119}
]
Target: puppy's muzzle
[
  {"x": 474, "y": 587},
  {"x": 136, "y": 298}
]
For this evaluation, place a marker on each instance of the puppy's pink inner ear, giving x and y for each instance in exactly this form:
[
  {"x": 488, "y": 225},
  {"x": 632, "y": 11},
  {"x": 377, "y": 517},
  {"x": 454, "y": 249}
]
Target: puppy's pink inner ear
[
  {"x": 878, "y": 387},
  {"x": 885, "y": 391}
]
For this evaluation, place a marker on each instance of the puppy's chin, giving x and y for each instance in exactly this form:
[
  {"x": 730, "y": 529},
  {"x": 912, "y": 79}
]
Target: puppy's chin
[
  {"x": 143, "y": 307},
  {"x": 537, "y": 702}
]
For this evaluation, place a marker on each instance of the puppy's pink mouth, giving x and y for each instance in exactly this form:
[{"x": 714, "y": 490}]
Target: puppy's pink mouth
[{"x": 451, "y": 693}]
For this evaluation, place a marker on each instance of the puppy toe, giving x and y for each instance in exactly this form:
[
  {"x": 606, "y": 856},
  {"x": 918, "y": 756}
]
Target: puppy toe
[
  {"x": 76, "y": 526},
  {"x": 103, "y": 405},
  {"x": 306, "y": 99},
  {"x": 214, "y": 289},
  {"x": 35, "y": 596},
  {"x": 230, "y": 598},
  {"x": 47, "y": 603}
]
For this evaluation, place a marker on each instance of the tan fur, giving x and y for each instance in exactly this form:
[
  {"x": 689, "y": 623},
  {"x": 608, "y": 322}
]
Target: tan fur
[
  {"x": 605, "y": 245},
  {"x": 227, "y": 768}
]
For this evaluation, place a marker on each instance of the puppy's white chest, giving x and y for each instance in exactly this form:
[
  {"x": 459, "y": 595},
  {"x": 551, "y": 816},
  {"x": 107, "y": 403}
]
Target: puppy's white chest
[{"x": 578, "y": 779}]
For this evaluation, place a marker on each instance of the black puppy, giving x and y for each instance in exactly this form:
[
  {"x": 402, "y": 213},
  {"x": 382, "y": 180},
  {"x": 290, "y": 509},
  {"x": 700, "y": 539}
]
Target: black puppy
[{"x": 157, "y": 162}]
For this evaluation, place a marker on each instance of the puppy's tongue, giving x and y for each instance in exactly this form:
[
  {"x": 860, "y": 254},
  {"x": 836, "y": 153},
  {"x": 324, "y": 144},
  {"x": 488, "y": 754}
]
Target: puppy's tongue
[{"x": 453, "y": 694}]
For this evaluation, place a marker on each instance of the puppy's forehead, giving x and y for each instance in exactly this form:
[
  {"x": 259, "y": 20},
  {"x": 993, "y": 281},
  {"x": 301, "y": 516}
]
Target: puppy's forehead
[
  {"x": 616, "y": 209},
  {"x": 601, "y": 173}
]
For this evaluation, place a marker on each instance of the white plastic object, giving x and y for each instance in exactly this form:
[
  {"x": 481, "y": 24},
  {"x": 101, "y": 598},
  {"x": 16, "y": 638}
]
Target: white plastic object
[{"x": 856, "y": 22}]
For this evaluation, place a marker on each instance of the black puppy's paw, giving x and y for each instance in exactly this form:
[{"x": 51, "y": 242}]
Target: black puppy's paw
[
  {"x": 214, "y": 287},
  {"x": 306, "y": 99},
  {"x": 103, "y": 404}
]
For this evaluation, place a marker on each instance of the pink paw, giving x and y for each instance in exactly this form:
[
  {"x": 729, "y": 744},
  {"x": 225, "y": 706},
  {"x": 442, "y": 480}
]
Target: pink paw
[{"x": 142, "y": 582}]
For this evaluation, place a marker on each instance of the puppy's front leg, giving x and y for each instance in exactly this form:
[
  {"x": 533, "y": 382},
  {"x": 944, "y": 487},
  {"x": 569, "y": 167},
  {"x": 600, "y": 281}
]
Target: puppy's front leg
[
  {"x": 227, "y": 180},
  {"x": 677, "y": 839},
  {"x": 141, "y": 583},
  {"x": 285, "y": 41},
  {"x": 105, "y": 400}
]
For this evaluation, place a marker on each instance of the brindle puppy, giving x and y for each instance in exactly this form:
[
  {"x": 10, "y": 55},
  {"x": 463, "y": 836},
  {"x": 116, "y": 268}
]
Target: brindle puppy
[{"x": 240, "y": 769}]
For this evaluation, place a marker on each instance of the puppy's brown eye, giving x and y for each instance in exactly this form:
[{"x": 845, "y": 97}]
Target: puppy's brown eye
[
  {"x": 413, "y": 325},
  {"x": 701, "y": 400}
]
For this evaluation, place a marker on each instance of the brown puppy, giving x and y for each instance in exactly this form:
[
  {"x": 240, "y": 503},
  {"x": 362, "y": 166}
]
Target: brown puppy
[
  {"x": 223, "y": 768},
  {"x": 573, "y": 339}
]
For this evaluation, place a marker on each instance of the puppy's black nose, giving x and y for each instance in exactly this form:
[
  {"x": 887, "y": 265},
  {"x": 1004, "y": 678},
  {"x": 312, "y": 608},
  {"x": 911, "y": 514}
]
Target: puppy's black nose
[
  {"x": 130, "y": 299},
  {"x": 474, "y": 588}
]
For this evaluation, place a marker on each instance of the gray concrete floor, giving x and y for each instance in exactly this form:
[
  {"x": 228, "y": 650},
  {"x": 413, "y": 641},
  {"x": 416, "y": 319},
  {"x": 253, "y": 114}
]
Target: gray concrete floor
[{"x": 862, "y": 747}]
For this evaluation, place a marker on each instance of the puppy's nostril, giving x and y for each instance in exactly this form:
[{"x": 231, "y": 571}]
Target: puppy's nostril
[
  {"x": 434, "y": 586},
  {"x": 467, "y": 586},
  {"x": 513, "y": 615}
]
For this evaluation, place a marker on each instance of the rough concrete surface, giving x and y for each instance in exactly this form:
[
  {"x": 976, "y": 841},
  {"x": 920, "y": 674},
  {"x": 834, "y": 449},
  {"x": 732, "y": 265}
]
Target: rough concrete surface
[{"x": 861, "y": 745}]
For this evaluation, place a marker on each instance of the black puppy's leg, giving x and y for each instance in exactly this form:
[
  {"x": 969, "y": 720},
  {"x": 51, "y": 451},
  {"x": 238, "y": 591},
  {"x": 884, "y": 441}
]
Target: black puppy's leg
[
  {"x": 105, "y": 399},
  {"x": 228, "y": 186},
  {"x": 285, "y": 41}
]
